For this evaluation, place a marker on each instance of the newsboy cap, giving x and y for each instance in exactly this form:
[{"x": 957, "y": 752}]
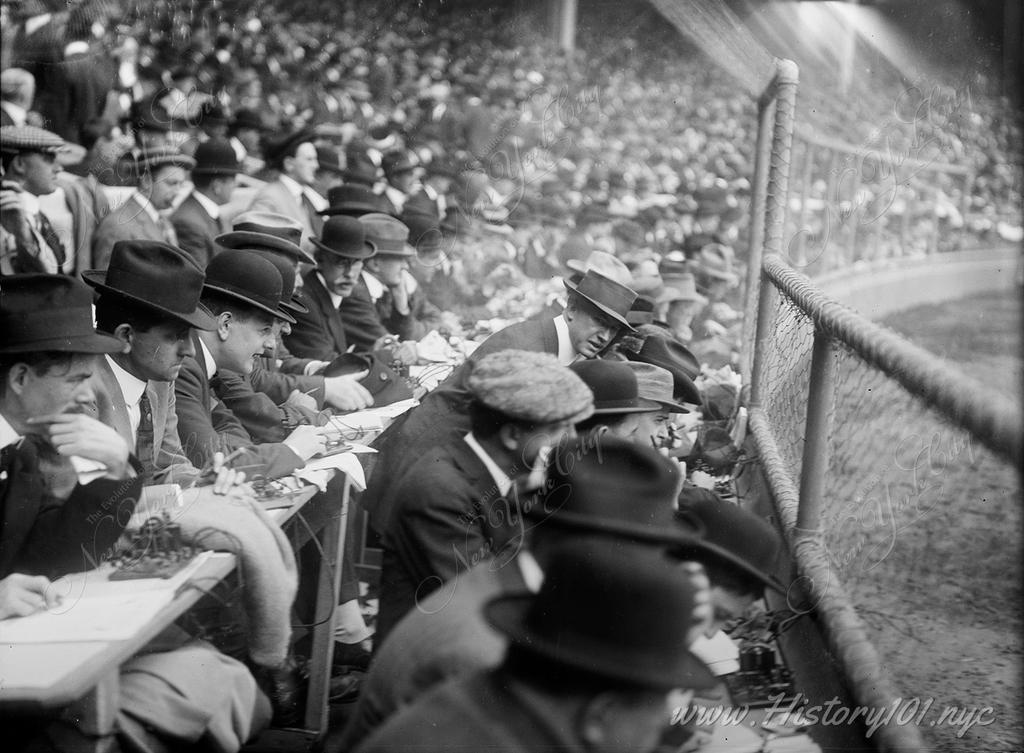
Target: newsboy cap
[
  {"x": 529, "y": 386},
  {"x": 17, "y": 139}
]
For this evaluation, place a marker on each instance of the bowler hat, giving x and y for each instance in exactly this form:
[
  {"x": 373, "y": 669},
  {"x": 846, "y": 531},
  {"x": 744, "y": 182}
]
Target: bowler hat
[
  {"x": 604, "y": 263},
  {"x": 614, "y": 386},
  {"x": 216, "y": 157},
  {"x": 277, "y": 232},
  {"x": 388, "y": 234},
  {"x": 619, "y": 613},
  {"x": 346, "y": 237},
  {"x": 287, "y": 270},
  {"x": 276, "y": 149},
  {"x": 248, "y": 278},
  {"x": 157, "y": 276},
  {"x": 611, "y": 297},
  {"x": 41, "y": 312},
  {"x": 352, "y": 200},
  {"x": 668, "y": 353},
  {"x": 735, "y": 537}
]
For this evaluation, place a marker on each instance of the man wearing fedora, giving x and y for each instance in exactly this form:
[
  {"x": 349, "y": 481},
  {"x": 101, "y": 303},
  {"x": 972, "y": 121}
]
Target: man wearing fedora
[
  {"x": 340, "y": 254},
  {"x": 584, "y": 495},
  {"x": 595, "y": 313},
  {"x": 149, "y": 301},
  {"x": 197, "y": 220},
  {"x": 459, "y": 502},
  {"x": 48, "y": 435},
  {"x": 243, "y": 292},
  {"x": 619, "y": 408},
  {"x": 592, "y": 659},
  {"x": 162, "y": 173},
  {"x": 28, "y": 241},
  {"x": 294, "y": 157},
  {"x": 386, "y": 303}
]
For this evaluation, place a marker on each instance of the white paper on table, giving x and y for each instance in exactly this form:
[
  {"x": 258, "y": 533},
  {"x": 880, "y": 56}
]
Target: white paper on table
[{"x": 317, "y": 470}]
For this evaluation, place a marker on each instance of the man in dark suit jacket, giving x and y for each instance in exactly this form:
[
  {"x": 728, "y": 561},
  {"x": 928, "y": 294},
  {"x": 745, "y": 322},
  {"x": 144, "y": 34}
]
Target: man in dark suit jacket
[
  {"x": 244, "y": 293},
  {"x": 595, "y": 313},
  {"x": 592, "y": 660},
  {"x": 197, "y": 220},
  {"x": 48, "y": 516},
  {"x": 340, "y": 253},
  {"x": 458, "y": 503}
]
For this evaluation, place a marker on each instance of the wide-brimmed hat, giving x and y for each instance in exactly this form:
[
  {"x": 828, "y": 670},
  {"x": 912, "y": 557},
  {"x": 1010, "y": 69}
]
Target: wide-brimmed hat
[
  {"x": 346, "y": 237},
  {"x": 41, "y": 312},
  {"x": 15, "y": 139},
  {"x": 604, "y": 263},
  {"x": 609, "y": 296},
  {"x": 157, "y": 276},
  {"x": 352, "y": 200},
  {"x": 249, "y": 278},
  {"x": 655, "y": 383},
  {"x": 670, "y": 354},
  {"x": 614, "y": 386},
  {"x": 733, "y": 536},
  {"x": 681, "y": 287},
  {"x": 715, "y": 260},
  {"x": 389, "y": 234},
  {"x": 277, "y": 232},
  {"x": 216, "y": 157},
  {"x": 615, "y": 612},
  {"x": 286, "y": 269}
]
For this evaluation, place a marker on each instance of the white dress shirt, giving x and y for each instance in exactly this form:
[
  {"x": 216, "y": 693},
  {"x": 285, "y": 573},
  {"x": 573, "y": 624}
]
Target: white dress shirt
[{"x": 132, "y": 389}]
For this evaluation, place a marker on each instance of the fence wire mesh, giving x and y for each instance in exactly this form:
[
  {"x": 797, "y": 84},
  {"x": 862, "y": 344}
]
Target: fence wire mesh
[{"x": 922, "y": 527}]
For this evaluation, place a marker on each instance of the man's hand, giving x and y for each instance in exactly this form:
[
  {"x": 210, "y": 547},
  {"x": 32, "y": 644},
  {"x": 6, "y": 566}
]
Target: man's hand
[
  {"x": 400, "y": 297},
  {"x": 301, "y": 400},
  {"x": 22, "y": 595},
  {"x": 79, "y": 434},
  {"x": 307, "y": 441},
  {"x": 344, "y": 393},
  {"x": 227, "y": 481}
]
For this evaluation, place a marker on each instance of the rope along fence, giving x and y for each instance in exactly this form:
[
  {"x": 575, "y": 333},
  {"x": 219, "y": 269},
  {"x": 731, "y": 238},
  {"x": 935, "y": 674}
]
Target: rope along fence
[{"x": 907, "y": 502}]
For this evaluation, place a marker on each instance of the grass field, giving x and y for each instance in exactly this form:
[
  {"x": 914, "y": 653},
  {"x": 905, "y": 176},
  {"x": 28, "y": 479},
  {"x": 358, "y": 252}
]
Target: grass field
[{"x": 927, "y": 535}]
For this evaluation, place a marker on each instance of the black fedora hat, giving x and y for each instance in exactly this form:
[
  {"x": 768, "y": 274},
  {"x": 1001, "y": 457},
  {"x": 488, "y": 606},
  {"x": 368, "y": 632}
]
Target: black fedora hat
[
  {"x": 611, "y": 297},
  {"x": 614, "y": 386},
  {"x": 669, "y": 353},
  {"x": 352, "y": 200},
  {"x": 734, "y": 537},
  {"x": 157, "y": 276},
  {"x": 346, "y": 237},
  {"x": 41, "y": 312},
  {"x": 216, "y": 157},
  {"x": 360, "y": 170},
  {"x": 270, "y": 230},
  {"x": 287, "y": 270},
  {"x": 614, "y": 612},
  {"x": 248, "y": 278}
]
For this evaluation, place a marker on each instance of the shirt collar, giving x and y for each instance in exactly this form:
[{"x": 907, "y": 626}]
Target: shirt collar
[
  {"x": 319, "y": 202},
  {"x": 207, "y": 203},
  {"x": 293, "y": 186},
  {"x": 131, "y": 386},
  {"x": 373, "y": 285},
  {"x": 7, "y": 433},
  {"x": 566, "y": 353},
  {"x": 533, "y": 576},
  {"x": 211, "y": 365},
  {"x": 501, "y": 479},
  {"x": 148, "y": 206},
  {"x": 335, "y": 298}
]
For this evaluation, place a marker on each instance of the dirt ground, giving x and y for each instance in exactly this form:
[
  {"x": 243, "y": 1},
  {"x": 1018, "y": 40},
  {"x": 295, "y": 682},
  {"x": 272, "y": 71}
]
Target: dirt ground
[{"x": 939, "y": 580}]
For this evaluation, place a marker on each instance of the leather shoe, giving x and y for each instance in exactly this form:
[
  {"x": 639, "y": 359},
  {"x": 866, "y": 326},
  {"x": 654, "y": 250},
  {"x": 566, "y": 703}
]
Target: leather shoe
[
  {"x": 350, "y": 655},
  {"x": 345, "y": 688}
]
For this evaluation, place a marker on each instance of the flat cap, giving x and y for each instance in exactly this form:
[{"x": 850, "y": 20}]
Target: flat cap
[
  {"x": 14, "y": 139},
  {"x": 530, "y": 386}
]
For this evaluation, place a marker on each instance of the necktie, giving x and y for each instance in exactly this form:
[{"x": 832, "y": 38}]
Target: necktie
[
  {"x": 50, "y": 236},
  {"x": 144, "y": 435},
  {"x": 167, "y": 230}
]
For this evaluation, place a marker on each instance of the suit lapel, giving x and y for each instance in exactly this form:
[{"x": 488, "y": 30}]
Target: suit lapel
[
  {"x": 204, "y": 380},
  {"x": 332, "y": 318},
  {"x": 117, "y": 416}
]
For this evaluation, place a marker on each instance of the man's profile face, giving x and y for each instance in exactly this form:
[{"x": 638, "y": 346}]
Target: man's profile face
[
  {"x": 590, "y": 329},
  {"x": 40, "y": 173},
  {"x": 388, "y": 269},
  {"x": 64, "y": 387},
  {"x": 158, "y": 353},
  {"x": 303, "y": 166},
  {"x": 248, "y": 337},
  {"x": 167, "y": 182}
]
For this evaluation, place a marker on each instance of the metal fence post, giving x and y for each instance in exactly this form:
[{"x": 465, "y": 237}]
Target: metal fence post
[{"x": 814, "y": 464}]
